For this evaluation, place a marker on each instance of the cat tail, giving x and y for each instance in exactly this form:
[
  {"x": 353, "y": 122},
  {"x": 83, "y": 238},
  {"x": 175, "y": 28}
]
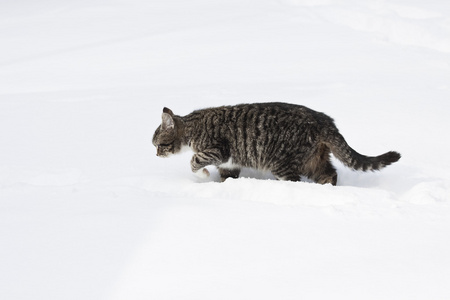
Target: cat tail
[{"x": 352, "y": 159}]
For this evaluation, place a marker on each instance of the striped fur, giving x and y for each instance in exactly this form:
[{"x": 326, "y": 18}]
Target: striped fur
[{"x": 289, "y": 140}]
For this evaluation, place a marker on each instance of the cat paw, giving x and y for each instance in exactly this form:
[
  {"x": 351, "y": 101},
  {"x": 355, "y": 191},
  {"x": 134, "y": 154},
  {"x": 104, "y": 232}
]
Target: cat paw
[{"x": 202, "y": 173}]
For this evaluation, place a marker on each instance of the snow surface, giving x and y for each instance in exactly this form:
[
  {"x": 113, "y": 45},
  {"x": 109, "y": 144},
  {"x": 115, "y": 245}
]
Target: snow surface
[{"x": 88, "y": 211}]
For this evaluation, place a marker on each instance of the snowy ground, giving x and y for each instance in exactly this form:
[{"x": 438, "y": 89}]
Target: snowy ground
[{"x": 87, "y": 210}]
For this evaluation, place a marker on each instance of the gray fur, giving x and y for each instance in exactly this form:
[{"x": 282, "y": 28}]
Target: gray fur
[{"x": 288, "y": 140}]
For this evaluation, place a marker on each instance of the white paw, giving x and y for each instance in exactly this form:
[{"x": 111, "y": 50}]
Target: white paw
[{"x": 202, "y": 173}]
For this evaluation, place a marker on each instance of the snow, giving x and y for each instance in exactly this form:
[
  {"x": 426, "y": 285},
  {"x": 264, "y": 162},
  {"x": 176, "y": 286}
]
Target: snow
[{"x": 87, "y": 210}]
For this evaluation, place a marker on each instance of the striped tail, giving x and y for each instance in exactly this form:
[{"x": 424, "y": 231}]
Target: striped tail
[{"x": 352, "y": 159}]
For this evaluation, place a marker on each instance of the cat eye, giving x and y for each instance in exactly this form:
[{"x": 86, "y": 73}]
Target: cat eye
[{"x": 165, "y": 145}]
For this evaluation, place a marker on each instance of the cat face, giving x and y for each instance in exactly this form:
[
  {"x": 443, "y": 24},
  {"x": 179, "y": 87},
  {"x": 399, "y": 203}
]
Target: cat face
[{"x": 165, "y": 138}]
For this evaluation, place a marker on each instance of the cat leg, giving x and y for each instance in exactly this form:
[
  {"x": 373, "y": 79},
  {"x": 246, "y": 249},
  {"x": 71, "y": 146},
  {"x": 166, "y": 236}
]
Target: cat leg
[
  {"x": 325, "y": 173},
  {"x": 287, "y": 177},
  {"x": 321, "y": 169},
  {"x": 205, "y": 158},
  {"x": 226, "y": 173},
  {"x": 286, "y": 172}
]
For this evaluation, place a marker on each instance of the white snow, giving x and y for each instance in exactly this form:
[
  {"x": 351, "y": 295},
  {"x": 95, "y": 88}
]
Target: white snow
[{"x": 88, "y": 211}]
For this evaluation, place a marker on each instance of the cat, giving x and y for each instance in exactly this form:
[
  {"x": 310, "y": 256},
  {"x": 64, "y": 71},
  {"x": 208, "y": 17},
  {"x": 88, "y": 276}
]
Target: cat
[{"x": 288, "y": 140}]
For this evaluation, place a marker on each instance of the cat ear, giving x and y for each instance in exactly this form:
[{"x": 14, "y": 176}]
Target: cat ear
[
  {"x": 167, "y": 111},
  {"x": 167, "y": 121}
]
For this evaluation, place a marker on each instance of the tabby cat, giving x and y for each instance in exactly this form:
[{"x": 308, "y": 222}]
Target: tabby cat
[{"x": 289, "y": 140}]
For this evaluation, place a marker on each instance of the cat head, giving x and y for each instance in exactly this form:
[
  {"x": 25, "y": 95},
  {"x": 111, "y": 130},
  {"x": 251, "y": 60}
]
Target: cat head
[{"x": 167, "y": 138}]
